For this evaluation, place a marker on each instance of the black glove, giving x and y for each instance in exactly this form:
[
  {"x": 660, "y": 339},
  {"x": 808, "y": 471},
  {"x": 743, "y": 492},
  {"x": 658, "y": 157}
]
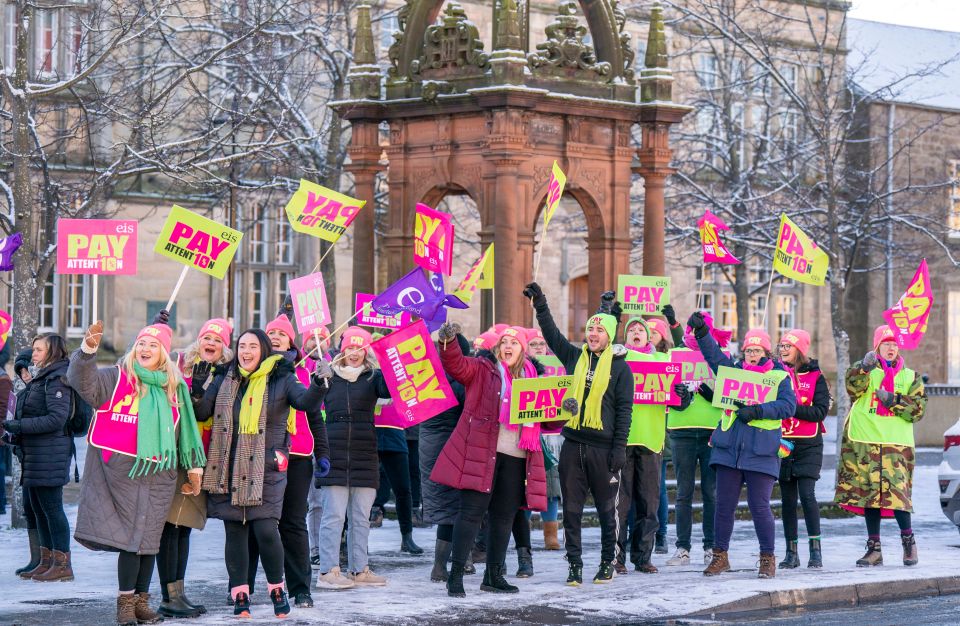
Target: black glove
[
  {"x": 888, "y": 398},
  {"x": 699, "y": 325},
  {"x": 670, "y": 314},
  {"x": 201, "y": 371},
  {"x": 12, "y": 426},
  {"x": 705, "y": 392},
  {"x": 535, "y": 294},
  {"x": 616, "y": 459},
  {"x": 221, "y": 370},
  {"x": 684, "y": 394},
  {"x": 617, "y": 311},
  {"x": 869, "y": 361},
  {"x": 287, "y": 307},
  {"x": 606, "y": 301},
  {"x": 449, "y": 331},
  {"x": 570, "y": 406},
  {"x": 162, "y": 317},
  {"x": 748, "y": 413}
]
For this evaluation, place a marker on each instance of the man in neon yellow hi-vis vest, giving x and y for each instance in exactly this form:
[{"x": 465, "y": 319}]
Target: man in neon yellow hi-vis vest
[
  {"x": 640, "y": 478},
  {"x": 877, "y": 453}
]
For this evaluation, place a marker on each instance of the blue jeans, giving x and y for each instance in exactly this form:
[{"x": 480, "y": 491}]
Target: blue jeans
[
  {"x": 690, "y": 449},
  {"x": 336, "y": 502}
]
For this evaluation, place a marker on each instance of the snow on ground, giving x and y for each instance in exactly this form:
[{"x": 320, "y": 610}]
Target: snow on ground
[{"x": 410, "y": 597}]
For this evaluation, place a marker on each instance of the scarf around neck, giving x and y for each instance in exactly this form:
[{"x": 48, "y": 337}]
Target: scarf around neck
[
  {"x": 348, "y": 372},
  {"x": 156, "y": 435},
  {"x": 647, "y": 349},
  {"x": 590, "y": 411},
  {"x": 529, "y": 433},
  {"x": 890, "y": 371},
  {"x": 251, "y": 406},
  {"x": 763, "y": 366}
]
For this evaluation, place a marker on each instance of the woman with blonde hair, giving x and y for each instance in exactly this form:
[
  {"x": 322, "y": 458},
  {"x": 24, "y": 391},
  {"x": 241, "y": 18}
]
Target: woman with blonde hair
[{"x": 143, "y": 430}]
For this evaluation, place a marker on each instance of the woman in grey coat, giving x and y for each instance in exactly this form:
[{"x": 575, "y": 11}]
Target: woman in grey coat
[
  {"x": 245, "y": 477},
  {"x": 142, "y": 431}
]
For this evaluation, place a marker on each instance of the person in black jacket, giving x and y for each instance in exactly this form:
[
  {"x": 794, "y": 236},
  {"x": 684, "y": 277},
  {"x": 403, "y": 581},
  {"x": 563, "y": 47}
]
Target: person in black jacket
[
  {"x": 351, "y": 485},
  {"x": 800, "y": 471},
  {"x": 43, "y": 409},
  {"x": 595, "y": 438}
]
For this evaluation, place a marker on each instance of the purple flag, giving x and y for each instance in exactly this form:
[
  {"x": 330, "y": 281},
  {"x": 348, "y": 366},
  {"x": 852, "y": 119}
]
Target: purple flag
[
  {"x": 418, "y": 295},
  {"x": 9, "y": 245}
]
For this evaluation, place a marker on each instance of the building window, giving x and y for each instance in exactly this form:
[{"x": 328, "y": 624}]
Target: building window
[
  {"x": 728, "y": 313},
  {"x": 786, "y": 314},
  {"x": 706, "y": 302},
  {"x": 737, "y": 131},
  {"x": 707, "y": 72},
  {"x": 953, "y": 217},
  {"x": 48, "y": 307},
  {"x": 953, "y": 337},
  {"x": 759, "y": 272},
  {"x": 258, "y": 317},
  {"x": 74, "y": 45},
  {"x": 706, "y": 273},
  {"x": 284, "y": 242},
  {"x": 10, "y": 36},
  {"x": 283, "y": 280},
  {"x": 757, "y": 306},
  {"x": 258, "y": 237},
  {"x": 45, "y": 43},
  {"x": 388, "y": 26},
  {"x": 76, "y": 303},
  {"x": 790, "y": 73}
]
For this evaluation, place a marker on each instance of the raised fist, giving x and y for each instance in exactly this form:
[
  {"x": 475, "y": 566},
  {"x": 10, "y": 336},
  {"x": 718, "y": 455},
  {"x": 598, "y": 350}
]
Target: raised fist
[{"x": 94, "y": 335}]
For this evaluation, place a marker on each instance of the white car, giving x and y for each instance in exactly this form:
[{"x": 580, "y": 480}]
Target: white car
[{"x": 949, "y": 474}]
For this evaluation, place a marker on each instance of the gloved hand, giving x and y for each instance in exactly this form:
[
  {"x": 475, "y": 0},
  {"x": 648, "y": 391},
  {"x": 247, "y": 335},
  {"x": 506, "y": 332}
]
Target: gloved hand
[
  {"x": 705, "y": 392},
  {"x": 535, "y": 294},
  {"x": 869, "y": 361},
  {"x": 617, "y": 311},
  {"x": 571, "y": 406},
  {"x": 606, "y": 301},
  {"x": 94, "y": 335},
  {"x": 12, "y": 426},
  {"x": 201, "y": 371},
  {"x": 162, "y": 317},
  {"x": 684, "y": 394},
  {"x": 748, "y": 413},
  {"x": 192, "y": 488},
  {"x": 449, "y": 331},
  {"x": 616, "y": 459},
  {"x": 888, "y": 399},
  {"x": 322, "y": 373},
  {"x": 287, "y": 307},
  {"x": 670, "y": 314},
  {"x": 320, "y": 471},
  {"x": 698, "y": 324}
]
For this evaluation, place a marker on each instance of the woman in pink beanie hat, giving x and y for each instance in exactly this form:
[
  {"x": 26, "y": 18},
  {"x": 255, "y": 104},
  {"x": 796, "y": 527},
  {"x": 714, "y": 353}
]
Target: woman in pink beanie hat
[
  {"x": 282, "y": 336},
  {"x": 877, "y": 455},
  {"x": 800, "y": 470}
]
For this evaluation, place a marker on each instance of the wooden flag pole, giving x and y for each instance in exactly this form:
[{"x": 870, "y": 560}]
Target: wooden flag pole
[
  {"x": 94, "y": 304},
  {"x": 317, "y": 266},
  {"x": 337, "y": 330},
  {"x": 703, "y": 271},
  {"x": 766, "y": 304},
  {"x": 176, "y": 289}
]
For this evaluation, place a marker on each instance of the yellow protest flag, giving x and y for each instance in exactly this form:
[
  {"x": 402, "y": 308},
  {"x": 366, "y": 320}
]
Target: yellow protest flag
[
  {"x": 321, "y": 212},
  {"x": 797, "y": 256},
  {"x": 558, "y": 180},
  {"x": 476, "y": 275}
]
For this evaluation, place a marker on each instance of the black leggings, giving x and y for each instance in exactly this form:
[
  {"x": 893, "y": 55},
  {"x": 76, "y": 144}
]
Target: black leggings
[
  {"x": 52, "y": 524},
  {"x": 134, "y": 571},
  {"x": 395, "y": 475},
  {"x": 872, "y": 516},
  {"x": 174, "y": 552},
  {"x": 445, "y": 532},
  {"x": 805, "y": 489},
  {"x": 237, "y": 551},
  {"x": 507, "y": 494},
  {"x": 521, "y": 530}
]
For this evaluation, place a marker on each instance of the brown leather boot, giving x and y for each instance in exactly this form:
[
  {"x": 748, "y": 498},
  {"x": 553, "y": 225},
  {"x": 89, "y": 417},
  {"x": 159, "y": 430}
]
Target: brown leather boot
[
  {"x": 126, "y": 609},
  {"x": 719, "y": 564},
  {"x": 909, "y": 550},
  {"x": 873, "y": 557},
  {"x": 768, "y": 565},
  {"x": 60, "y": 569},
  {"x": 46, "y": 560},
  {"x": 550, "y": 541},
  {"x": 145, "y": 615}
]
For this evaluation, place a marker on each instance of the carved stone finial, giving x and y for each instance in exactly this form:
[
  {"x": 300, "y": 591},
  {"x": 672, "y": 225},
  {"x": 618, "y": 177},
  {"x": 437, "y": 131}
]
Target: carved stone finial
[
  {"x": 452, "y": 47},
  {"x": 656, "y": 39},
  {"x": 656, "y": 79},
  {"x": 364, "y": 73},
  {"x": 565, "y": 50}
]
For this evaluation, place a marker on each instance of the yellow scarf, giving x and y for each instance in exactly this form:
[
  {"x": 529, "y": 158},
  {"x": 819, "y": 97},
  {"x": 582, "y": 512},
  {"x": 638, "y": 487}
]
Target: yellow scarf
[
  {"x": 590, "y": 412},
  {"x": 252, "y": 403}
]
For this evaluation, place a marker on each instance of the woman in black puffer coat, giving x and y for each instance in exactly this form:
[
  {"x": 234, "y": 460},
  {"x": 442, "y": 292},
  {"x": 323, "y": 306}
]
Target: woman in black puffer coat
[{"x": 43, "y": 409}]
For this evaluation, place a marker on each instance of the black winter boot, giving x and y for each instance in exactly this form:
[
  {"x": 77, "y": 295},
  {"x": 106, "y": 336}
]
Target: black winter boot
[
  {"x": 173, "y": 604},
  {"x": 407, "y": 544},
  {"x": 792, "y": 559},
  {"x": 525, "y": 560},
  {"x": 34, "y": 536},
  {"x": 441, "y": 554},
  {"x": 455, "y": 582},
  {"x": 469, "y": 567},
  {"x": 816, "y": 556},
  {"x": 494, "y": 581}
]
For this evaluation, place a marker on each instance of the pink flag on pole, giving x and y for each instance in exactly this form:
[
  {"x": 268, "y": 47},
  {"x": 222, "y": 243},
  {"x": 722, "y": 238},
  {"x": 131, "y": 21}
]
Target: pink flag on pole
[
  {"x": 412, "y": 370},
  {"x": 310, "y": 306},
  {"x": 908, "y": 317},
  {"x": 713, "y": 249},
  {"x": 433, "y": 240}
]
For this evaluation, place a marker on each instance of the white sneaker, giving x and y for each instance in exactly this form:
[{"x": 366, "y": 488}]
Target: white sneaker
[
  {"x": 707, "y": 556},
  {"x": 334, "y": 580},
  {"x": 682, "y": 557},
  {"x": 368, "y": 578}
]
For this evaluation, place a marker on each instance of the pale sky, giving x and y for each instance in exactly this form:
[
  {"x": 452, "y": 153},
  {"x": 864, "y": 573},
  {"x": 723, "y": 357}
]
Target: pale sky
[{"x": 935, "y": 14}]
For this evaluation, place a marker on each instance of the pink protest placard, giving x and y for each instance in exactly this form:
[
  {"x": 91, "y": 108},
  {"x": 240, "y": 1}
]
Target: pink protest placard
[
  {"x": 433, "y": 240},
  {"x": 412, "y": 370},
  {"x": 114, "y": 425},
  {"x": 654, "y": 381},
  {"x": 97, "y": 247},
  {"x": 693, "y": 367},
  {"x": 309, "y": 302},
  {"x": 369, "y": 317}
]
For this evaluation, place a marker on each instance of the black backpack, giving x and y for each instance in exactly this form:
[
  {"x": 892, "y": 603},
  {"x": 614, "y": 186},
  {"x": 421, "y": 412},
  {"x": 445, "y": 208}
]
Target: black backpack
[{"x": 81, "y": 413}]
